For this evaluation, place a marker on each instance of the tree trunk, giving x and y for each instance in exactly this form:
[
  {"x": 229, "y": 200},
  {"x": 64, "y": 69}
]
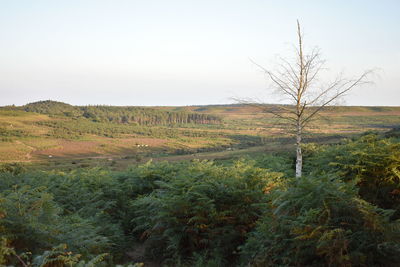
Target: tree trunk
[{"x": 299, "y": 155}]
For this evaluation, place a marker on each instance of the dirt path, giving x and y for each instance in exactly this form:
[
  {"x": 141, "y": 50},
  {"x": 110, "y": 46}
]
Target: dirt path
[{"x": 27, "y": 155}]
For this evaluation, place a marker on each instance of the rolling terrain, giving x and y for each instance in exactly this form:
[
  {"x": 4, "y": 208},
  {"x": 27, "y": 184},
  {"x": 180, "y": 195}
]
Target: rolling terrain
[
  {"x": 196, "y": 186},
  {"x": 56, "y": 134}
]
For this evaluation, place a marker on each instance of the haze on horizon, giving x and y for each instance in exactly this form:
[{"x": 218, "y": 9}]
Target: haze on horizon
[{"x": 187, "y": 52}]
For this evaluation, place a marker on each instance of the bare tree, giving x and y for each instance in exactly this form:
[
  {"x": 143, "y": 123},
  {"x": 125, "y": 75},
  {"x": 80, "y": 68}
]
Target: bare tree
[{"x": 296, "y": 81}]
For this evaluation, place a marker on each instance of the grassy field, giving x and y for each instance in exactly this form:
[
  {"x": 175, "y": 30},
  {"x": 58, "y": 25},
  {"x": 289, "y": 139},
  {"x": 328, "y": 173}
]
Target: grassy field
[{"x": 57, "y": 141}]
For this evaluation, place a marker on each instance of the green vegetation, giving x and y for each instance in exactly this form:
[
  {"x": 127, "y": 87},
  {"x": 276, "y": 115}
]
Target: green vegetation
[
  {"x": 322, "y": 221},
  {"x": 74, "y": 190},
  {"x": 50, "y": 134},
  {"x": 344, "y": 211},
  {"x": 137, "y": 115}
]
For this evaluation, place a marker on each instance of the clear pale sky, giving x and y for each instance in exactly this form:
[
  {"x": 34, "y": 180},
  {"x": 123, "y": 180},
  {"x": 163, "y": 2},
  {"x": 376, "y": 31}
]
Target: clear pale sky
[{"x": 186, "y": 52}]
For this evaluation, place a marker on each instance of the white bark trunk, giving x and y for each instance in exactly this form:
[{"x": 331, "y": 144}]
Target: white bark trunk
[{"x": 299, "y": 155}]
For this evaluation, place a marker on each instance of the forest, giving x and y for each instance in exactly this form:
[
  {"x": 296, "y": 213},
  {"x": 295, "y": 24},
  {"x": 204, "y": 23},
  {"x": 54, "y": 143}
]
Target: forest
[
  {"x": 343, "y": 211},
  {"x": 114, "y": 114}
]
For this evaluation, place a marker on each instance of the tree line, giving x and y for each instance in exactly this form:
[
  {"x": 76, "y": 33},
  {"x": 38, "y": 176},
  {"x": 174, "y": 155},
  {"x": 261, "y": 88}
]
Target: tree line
[{"x": 124, "y": 115}]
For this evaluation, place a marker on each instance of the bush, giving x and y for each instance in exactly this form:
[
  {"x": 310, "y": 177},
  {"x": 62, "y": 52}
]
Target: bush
[
  {"x": 373, "y": 163},
  {"x": 13, "y": 168},
  {"x": 43, "y": 210},
  {"x": 321, "y": 221},
  {"x": 204, "y": 209}
]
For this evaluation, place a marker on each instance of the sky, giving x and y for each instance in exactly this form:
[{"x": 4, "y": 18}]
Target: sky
[{"x": 188, "y": 52}]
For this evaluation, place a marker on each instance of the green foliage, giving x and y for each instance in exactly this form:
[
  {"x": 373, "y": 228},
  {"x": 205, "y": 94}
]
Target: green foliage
[
  {"x": 282, "y": 162},
  {"x": 9, "y": 133},
  {"x": 59, "y": 256},
  {"x": 13, "y": 168},
  {"x": 30, "y": 216},
  {"x": 344, "y": 212},
  {"x": 136, "y": 115},
  {"x": 393, "y": 133},
  {"x": 321, "y": 221},
  {"x": 372, "y": 162},
  {"x": 5, "y": 251},
  {"x": 52, "y": 108},
  {"x": 42, "y": 211},
  {"x": 73, "y": 129},
  {"x": 145, "y": 116},
  {"x": 204, "y": 207}
]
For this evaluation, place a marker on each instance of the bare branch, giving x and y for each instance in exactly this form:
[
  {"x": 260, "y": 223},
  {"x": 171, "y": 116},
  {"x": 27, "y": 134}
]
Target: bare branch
[
  {"x": 351, "y": 85},
  {"x": 281, "y": 84}
]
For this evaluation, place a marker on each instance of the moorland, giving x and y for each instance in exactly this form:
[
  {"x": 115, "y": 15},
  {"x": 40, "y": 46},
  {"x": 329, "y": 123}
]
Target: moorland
[
  {"x": 58, "y": 135},
  {"x": 197, "y": 186}
]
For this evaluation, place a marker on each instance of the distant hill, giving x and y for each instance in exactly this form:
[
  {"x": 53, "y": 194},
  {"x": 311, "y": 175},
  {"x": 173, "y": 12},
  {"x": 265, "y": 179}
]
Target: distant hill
[
  {"x": 165, "y": 115},
  {"x": 50, "y": 107}
]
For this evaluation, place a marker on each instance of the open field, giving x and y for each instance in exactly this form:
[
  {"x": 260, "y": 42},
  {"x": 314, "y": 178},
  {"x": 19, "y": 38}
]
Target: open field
[{"x": 53, "y": 139}]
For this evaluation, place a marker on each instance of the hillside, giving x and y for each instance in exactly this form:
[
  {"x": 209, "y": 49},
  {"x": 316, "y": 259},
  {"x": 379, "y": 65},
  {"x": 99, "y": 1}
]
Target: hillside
[{"x": 48, "y": 131}]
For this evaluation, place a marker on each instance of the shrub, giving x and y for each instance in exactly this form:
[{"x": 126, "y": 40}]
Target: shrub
[
  {"x": 373, "y": 163},
  {"x": 13, "y": 168},
  {"x": 321, "y": 221},
  {"x": 43, "y": 210},
  {"x": 204, "y": 209}
]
